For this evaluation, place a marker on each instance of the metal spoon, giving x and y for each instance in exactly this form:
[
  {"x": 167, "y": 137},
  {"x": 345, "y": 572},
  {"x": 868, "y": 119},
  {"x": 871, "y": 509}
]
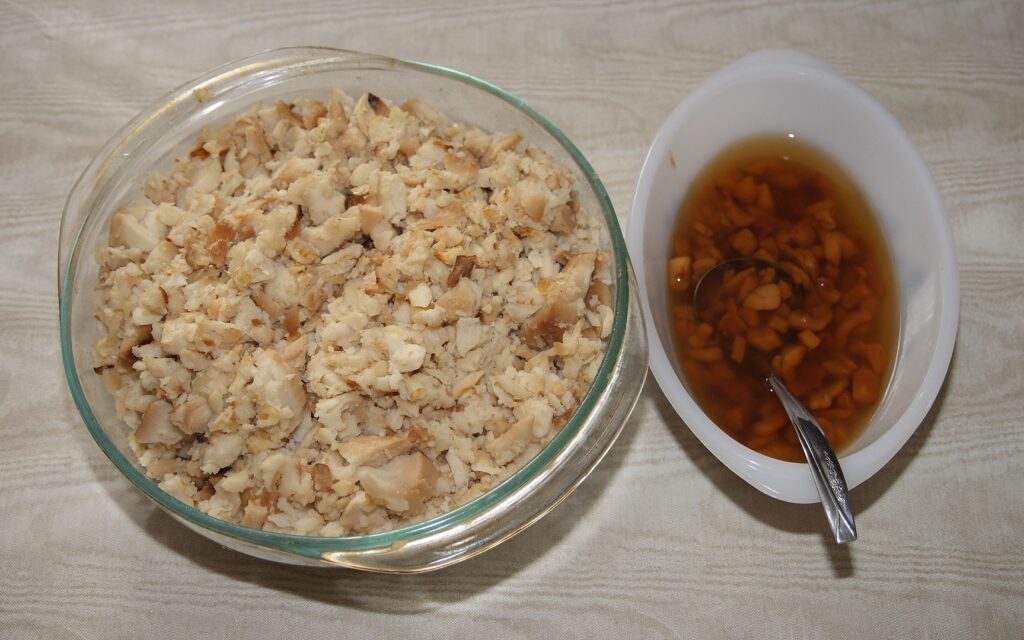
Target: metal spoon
[{"x": 821, "y": 458}]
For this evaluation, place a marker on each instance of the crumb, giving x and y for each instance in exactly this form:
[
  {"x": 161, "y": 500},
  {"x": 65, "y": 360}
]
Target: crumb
[{"x": 342, "y": 317}]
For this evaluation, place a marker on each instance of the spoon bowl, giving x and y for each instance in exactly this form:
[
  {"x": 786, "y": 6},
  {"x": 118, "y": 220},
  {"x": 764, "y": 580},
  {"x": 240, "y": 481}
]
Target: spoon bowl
[{"x": 822, "y": 461}]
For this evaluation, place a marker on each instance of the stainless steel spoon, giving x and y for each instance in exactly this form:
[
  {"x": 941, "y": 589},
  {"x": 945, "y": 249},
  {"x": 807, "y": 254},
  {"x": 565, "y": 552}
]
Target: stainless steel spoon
[{"x": 821, "y": 458}]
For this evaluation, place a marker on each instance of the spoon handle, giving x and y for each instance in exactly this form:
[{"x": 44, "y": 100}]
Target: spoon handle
[{"x": 825, "y": 469}]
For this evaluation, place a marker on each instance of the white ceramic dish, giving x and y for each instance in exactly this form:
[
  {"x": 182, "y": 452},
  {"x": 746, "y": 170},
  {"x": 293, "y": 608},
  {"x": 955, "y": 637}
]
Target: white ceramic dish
[{"x": 781, "y": 91}]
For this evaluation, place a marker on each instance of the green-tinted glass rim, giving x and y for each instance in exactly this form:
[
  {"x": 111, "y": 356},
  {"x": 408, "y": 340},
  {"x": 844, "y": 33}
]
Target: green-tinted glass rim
[{"x": 314, "y": 546}]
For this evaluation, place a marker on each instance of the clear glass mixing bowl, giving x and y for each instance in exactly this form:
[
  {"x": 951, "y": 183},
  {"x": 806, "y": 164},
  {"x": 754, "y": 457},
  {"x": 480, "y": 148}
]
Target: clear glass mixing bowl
[{"x": 169, "y": 127}]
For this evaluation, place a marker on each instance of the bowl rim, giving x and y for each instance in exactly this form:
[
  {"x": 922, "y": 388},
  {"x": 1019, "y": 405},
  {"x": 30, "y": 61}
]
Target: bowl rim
[
  {"x": 310, "y": 59},
  {"x": 790, "y": 481}
]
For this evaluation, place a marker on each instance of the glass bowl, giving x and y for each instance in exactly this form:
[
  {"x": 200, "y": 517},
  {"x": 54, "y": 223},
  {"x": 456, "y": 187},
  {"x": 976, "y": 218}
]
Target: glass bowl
[{"x": 169, "y": 127}]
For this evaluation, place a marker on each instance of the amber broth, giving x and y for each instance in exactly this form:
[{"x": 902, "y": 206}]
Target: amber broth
[{"x": 725, "y": 378}]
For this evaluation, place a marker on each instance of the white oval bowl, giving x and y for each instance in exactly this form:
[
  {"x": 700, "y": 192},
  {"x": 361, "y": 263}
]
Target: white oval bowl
[{"x": 787, "y": 92}]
